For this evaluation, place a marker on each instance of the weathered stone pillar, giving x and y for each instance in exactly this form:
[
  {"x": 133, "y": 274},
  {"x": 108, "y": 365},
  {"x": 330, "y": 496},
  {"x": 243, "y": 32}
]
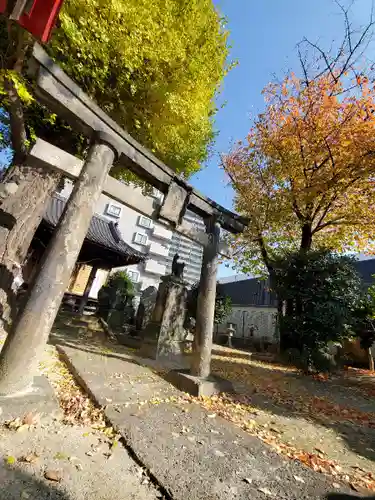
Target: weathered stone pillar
[
  {"x": 201, "y": 360},
  {"x": 29, "y": 334},
  {"x": 85, "y": 296},
  {"x": 164, "y": 335}
]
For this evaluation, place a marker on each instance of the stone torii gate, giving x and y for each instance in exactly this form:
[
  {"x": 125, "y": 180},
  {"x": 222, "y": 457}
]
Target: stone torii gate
[{"x": 109, "y": 143}]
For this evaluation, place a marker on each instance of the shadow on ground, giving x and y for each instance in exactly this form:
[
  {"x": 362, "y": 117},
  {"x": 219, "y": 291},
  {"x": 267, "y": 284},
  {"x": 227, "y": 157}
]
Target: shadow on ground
[
  {"x": 85, "y": 334},
  {"x": 238, "y": 354},
  {"x": 291, "y": 394},
  {"x": 16, "y": 485},
  {"x": 270, "y": 388}
]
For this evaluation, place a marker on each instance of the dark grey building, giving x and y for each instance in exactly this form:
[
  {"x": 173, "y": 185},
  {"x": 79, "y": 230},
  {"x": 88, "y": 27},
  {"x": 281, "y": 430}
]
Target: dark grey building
[
  {"x": 256, "y": 292},
  {"x": 249, "y": 292},
  {"x": 366, "y": 269}
]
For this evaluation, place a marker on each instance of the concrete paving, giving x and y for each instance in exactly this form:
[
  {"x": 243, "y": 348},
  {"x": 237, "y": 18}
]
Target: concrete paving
[
  {"x": 85, "y": 465},
  {"x": 191, "y": 453},
  {"x": 40, "y": 398}
]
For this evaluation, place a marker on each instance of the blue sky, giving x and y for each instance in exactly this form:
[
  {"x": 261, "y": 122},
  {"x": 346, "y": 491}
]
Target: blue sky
[{"x": 264, "y": 35}]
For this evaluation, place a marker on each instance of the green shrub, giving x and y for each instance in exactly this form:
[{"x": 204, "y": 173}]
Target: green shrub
[
  {"x": 321, "y": 291},
  {"x": 115, "y": 294},
  {"x": 223, "y": 304}
]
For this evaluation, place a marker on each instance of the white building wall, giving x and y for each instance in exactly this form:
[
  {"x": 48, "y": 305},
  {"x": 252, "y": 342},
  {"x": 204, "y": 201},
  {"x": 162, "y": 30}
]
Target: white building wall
[
  {"x": 140, "y": 233},
  {"x": 99, "y": 281}
]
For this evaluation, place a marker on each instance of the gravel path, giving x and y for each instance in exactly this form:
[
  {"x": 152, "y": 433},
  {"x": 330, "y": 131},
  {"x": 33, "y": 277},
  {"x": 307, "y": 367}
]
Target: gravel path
[
  {"x": 66, "y": 457},
  {"x": 77, "y": 456}
]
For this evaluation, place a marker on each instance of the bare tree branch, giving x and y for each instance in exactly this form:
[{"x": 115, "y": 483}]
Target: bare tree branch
[{"x": 346, "y": 56}]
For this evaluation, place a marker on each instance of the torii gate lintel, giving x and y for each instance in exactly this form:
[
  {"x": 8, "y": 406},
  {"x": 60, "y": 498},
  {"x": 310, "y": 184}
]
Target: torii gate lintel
[{"x": 24, "y": 344}]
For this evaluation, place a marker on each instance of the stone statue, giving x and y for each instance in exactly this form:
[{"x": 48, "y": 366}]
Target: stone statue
[{"x": 177, "y": 267}]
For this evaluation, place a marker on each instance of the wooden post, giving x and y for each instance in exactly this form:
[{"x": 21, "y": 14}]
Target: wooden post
[
  {"x": 29, "y": 334},
  {"x": 201, "y": 360},
  {"x": 74, "y": 276},
  {"x": 88, "y": 286}
]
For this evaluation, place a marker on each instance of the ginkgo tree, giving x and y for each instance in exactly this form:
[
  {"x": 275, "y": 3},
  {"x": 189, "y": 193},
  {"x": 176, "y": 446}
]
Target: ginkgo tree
[
  {"x": 305, "y": 175},
  {"x": 155, "y": 68}
]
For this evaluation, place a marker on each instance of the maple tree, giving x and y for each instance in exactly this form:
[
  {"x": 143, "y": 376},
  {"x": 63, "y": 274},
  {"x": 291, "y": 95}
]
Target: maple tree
[{"x": 305, "y": 173}]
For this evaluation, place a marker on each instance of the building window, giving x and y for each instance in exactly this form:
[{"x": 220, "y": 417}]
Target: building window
[
  {"x": 140, "y": 238},
  {"x": 133, "y": 275},
  {"x": 113, "y": 210},
  {"x": 144, "y": 221},
  {"x": 157, "y": 194}
]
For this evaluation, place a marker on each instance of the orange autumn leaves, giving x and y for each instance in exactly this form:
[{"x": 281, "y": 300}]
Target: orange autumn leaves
[{"x": 308, "y": 161}]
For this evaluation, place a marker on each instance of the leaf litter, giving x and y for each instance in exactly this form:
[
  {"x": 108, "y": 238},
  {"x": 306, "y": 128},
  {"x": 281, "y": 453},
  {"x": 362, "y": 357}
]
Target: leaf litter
[
  {"x": 77, "y": 407},
  {"x": 238, "y": 411}
]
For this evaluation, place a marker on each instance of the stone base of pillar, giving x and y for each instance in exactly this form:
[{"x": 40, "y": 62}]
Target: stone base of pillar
[
  {"x": 159, "y": 345},
  {"x": 164, "y": 336},
  {"x": 38, "y": 399},
  {"x": 197, "y": 386}
]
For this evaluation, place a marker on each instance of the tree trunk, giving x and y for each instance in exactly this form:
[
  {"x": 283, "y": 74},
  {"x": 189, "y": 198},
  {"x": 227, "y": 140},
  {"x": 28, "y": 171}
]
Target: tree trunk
[
  {"x": 370, "y": 359},
  {"x": 306, "y": 239},
  {"x": 23, "y": 191},
  {"x": 23, "y": 196}
]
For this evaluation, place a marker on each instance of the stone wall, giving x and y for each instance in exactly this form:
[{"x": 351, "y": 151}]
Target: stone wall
[{"x": 252, "y": 323}]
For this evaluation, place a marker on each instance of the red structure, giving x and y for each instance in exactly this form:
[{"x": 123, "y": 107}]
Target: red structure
[{"x": 36, "y": 16}]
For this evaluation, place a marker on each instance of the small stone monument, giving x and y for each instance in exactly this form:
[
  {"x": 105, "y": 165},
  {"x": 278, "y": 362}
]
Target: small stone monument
[
  {"x": 165, "y": 334},
  {"x": 145, "y": 307}
]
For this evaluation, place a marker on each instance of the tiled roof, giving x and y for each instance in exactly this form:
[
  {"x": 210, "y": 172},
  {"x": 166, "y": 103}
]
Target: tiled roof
[{"x": 101, "y": 231}]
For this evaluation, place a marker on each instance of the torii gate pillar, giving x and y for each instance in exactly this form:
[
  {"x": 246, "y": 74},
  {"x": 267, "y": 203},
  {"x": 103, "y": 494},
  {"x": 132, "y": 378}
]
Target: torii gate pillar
[
  {"x": 28, "y": 336},
  {"x": 199, "y": 381},
  {"x": 201, "y": 362}
]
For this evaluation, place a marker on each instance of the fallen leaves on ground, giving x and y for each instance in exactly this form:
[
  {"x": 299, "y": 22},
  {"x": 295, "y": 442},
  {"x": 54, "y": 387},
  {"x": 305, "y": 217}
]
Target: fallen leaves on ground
[
  {"x": 363, "y": 380},
  {"x": 266, "y": 492},
  {"x": 20, "y": 424},
  {"x": 238, "y": 413},
  {"x": 29, "y": 458},
  {"x": 53, "y": 475},
  {"x": 61, "y": 456},
  {"x": 284, "y": 385},
  {"x": 359, "y": 371},
  {"x": 77, "y": 407}
]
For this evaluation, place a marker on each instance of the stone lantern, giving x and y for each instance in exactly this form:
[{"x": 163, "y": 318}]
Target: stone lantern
[{"x": 230, "y": 332}]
